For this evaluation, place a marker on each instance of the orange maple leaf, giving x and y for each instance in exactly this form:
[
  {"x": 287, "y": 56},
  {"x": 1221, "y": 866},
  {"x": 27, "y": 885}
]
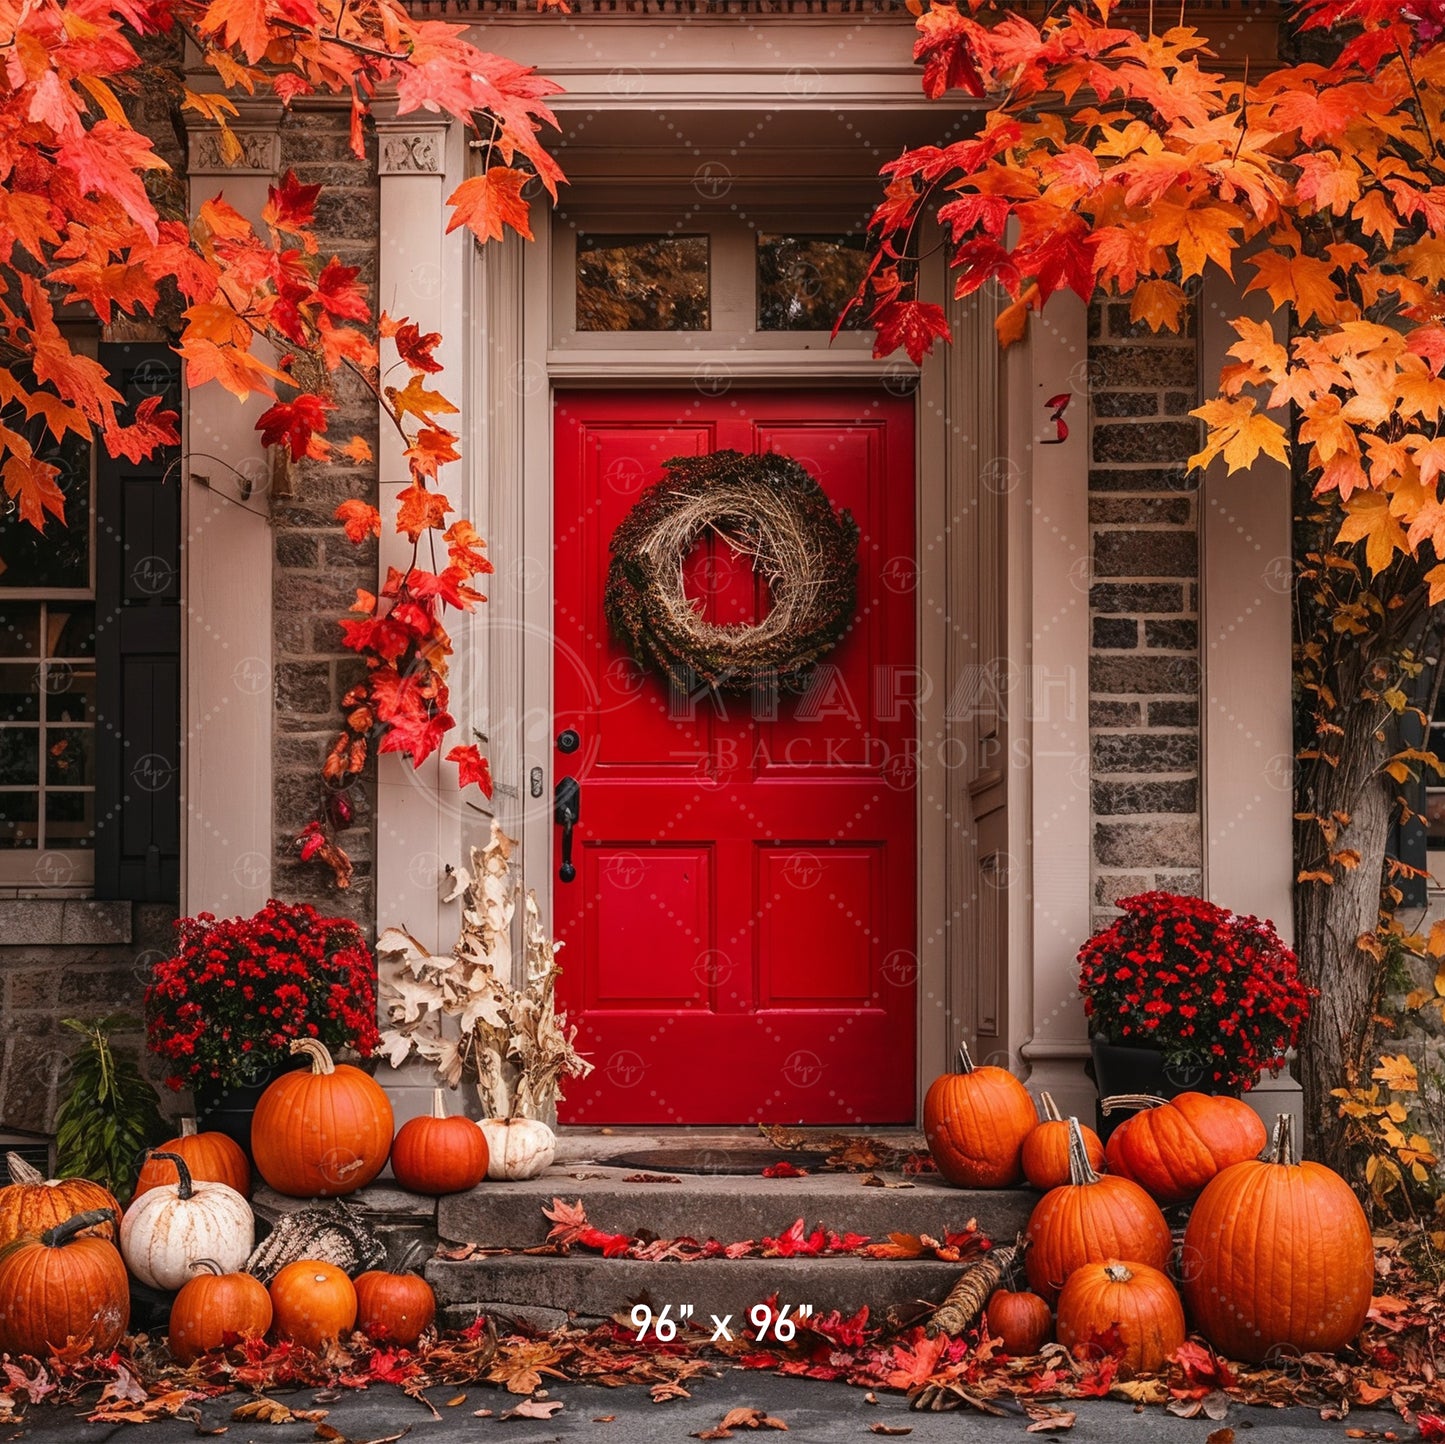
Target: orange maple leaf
[
  {"x": 419, "y": 510},
  {"x": 487, "y": 204}
]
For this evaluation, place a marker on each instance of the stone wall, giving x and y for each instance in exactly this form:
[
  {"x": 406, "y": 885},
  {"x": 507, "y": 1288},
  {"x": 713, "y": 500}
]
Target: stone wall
[
  {"x": 1144, "y": 661},
  {"x": 64, "y": 959},
  {"x": 317, "y": 569}
]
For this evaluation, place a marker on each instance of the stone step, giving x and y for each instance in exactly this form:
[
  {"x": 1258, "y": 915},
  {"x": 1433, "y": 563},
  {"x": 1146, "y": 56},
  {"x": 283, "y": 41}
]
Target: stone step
[
  {"x": 727, "y": 1208},
  {"x": 546, "y": 1291}
]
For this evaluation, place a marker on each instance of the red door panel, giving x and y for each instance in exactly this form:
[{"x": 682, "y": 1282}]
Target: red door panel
[{"x": 740, "y": 935}]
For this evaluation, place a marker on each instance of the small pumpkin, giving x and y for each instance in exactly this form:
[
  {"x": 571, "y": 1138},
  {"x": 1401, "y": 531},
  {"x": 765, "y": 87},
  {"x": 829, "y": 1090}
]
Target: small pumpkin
[
  {"x": 976, "y": 1120},
  {"x": 394, "y": 1308},
  {"x": 215, "y": 1308},
  {"x": 324, "y": 1132},
  {"x": 1280, "y": 1257},
  {"x": 1045, "y": 1152},
  {"x": 1091, "y": 1219},
  {"x": 1174, "y": 1147},
  {"x": 211, "y": 1157},
  {"x": 30, "y": 1204},
  {"x": 437, "y": 1154},
  {"x": 1019, "y": 1320},
  {"x": 169, "y": 1229},
  {"x": 1133, "y": 1298},
  {"x": 63, "y": 1285},
  {"x": 314, "y": 1304},
  {"x": 517, "y": 1147}
]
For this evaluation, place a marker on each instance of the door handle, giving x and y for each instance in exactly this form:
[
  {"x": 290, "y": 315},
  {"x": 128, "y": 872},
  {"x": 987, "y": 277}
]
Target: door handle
[{"x": 566, "y": 809}]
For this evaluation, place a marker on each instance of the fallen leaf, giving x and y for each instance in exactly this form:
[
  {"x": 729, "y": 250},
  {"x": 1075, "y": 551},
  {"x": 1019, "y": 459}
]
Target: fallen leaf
[
  {"x": 893, "y": 1430},
  {"x": 1221, "y": 1436},
  {"x": 273, "y": 1411},
  {"x": 661, "y": 1393},
  {"x": 453, "y": 1403},
  {"x": 534, "y": 1409},
  {"x": 874, "y": 1180},
  {"x": 1046, "y": 1420}
]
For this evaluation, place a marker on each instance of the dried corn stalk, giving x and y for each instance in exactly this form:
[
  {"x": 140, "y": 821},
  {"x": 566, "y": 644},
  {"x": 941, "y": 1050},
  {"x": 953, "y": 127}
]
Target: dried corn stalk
[
  {"x": 462, "y": 1012},
  {"x": 967, "y": 1298}
]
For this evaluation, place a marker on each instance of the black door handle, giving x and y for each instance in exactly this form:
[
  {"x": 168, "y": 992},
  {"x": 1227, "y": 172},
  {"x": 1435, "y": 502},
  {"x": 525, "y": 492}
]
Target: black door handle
[{"x": 567, "y": 808}]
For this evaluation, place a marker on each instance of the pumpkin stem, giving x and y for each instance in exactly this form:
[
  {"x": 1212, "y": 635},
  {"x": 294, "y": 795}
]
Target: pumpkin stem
[
  {"x": 184, "y": 1188},
  {"x": 1117, "y": 1273},
  {"x": 208, "y": 1265},
  {"x": 188, "y": 1127},
  {"x": 415, "y": 1252},
  {"x": 965, "y": 1062},
  {"x": 1081, "y": 1171},
  {"x": 62, "y": 1233},
  {"x": 1130, "y": 1100},
  {"x": 316, "y": 1051},
  {"x": 1282, "y": 1146},
  {"x": 1049, "y": 1109},
  {"x": 20, "y": 1171},
  {"x": 438, "y": 1104}
]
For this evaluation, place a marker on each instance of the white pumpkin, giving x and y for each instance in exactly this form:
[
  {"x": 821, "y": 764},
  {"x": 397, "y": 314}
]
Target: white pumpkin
[
  {"x": 517, "y": 1147},
  {"x": 168, "y": 1230}
]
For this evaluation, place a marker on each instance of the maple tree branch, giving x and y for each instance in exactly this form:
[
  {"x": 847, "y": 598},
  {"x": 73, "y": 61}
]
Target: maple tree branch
[{"x": 1419, "y": 100}]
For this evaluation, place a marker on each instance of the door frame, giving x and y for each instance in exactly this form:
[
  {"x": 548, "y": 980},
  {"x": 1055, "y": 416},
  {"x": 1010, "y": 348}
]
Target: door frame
[{"x": 958, "y": 425}]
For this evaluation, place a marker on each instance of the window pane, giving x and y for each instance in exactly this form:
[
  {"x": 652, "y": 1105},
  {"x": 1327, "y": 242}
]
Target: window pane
[
  {"x": 67, "y": 756},
  {"x": 70, "y": 630},
  {"x": 18, "y": 813},
  {"x": 643, "y": 283},
  {"x": 19, "y": 692},
  {"x": 70, "y": 819},
  {"x": 19, "y": 756},
  {"x": 69, "y": 693},
  {"x": 59, "y": 556},
  {"x": 20, "y": 630},
  {"x": 805, "y": 281}
]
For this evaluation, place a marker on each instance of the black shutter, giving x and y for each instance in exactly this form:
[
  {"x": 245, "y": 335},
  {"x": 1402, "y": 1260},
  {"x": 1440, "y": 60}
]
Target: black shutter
[
  {"x": 138, "y": 647},
  {"x": 1408, "y": 840}
]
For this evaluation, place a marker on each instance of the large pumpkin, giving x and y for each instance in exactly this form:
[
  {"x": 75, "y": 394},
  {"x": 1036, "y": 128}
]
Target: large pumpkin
[
  {"x": 171, "y": 1228},
  {"x": 1172, "y": 1149},
  {"x": 64, "y": 1285},
  {"x": 215, "y": 1308},
  {"x": 976, "y": 1121},
  {"x": 322, "y": 1133},
  {"x": 314, "y": 1303},
  {"x": 1091, "y": 1219},
  {"x": 438, "y": 1154},
  {"x": 394, "y": 1308},
  {"x": 1278, "y": 1257},
  {"x": 211, "y": 1157},
  {"x": 30, "y": 1204},
  {"x": 1045, "y": 1152},
  {"x": 517, "y": 1147},
  {"x": 1133, "y": 1298}
]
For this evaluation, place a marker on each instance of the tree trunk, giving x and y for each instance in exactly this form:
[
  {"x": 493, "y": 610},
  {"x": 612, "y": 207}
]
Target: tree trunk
[{"x": 1330, "y": 918}]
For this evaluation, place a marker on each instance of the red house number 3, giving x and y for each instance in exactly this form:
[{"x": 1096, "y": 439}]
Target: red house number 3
[{"x": 1056, "y": 406}]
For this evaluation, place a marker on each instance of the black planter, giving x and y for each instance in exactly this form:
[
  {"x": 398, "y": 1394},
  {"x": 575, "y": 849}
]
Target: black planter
[{"x": 228, "y": 1110}]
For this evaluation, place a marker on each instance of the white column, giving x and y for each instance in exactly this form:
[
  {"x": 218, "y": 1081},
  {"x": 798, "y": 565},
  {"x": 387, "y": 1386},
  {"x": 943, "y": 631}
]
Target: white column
[
  {"x": 420, "y": 276},
  {"x": 1055, "y": 365},
  {"x": 226, "y": 731}
]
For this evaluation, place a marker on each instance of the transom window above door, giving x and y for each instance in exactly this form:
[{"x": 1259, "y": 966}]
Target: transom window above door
[{"x": 670, "y": 278}]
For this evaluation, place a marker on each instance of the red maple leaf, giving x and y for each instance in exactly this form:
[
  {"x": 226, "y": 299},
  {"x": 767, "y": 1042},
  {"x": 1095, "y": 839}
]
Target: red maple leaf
[
  {"x": 795, "y": 1242},
  {"x": 359, "y": 518},
  {"x": 783, "y": 1169},
  {"x": 338, "y": 292},
  {"x": 472, "y": 767},
  {"x": 417, "y": 737},
  {"x": 292, "y": 423},
  {"x": 291, "y": 207},
  {"x": 913, "y": 325},
  {"x": 151, "y": 428},
  {"x": 612, "y": 1245},
  {"x": 416, "y": 349},
  {"x": 915, "y": 1362},
  {"x": 944, "y": 45}
]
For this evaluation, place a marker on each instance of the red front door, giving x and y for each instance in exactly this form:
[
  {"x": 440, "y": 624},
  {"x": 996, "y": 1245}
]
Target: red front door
[{"x": 740, "y": 934}]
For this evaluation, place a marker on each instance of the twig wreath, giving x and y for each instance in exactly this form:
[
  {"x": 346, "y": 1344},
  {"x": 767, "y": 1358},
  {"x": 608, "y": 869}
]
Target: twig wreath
[{"x": 767, "y": 508}]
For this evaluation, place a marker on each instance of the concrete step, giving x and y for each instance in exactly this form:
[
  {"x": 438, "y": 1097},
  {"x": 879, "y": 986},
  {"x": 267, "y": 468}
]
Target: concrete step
[
  {"x": 727, "y": 1208},
  {"x": 545, "y": 1291}
]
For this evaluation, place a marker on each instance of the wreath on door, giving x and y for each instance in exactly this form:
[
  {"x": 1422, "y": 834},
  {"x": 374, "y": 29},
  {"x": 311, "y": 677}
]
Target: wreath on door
[{"x": 766, "y": 508}]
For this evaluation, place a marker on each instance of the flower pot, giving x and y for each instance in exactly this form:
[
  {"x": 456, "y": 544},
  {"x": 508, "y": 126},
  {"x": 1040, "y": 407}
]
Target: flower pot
[
  {"x": 1120, "y": 1068},
  {"x": 228, "y": 1108}
]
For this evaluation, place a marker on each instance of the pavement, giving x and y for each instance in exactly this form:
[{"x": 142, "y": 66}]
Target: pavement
[{"x": 815, "y": 1413}]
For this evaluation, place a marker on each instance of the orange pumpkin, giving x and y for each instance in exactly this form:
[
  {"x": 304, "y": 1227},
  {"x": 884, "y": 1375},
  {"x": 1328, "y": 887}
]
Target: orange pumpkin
[
  {"x": 64, "y": 1285},
  {"x": 313, "y": 1304},
  {"x": 30, "y": 1204},
  {"x": 975, "y": 1121},
  {"x": 214, "y": 1309},
  {"x": 438, "y": 1154},
  {"x": 211, "y": 1157},
  {"x": 1091, "y": 1219},
  {"x": 1045, "y": 1154},
  {"x": 1133, "y": 1298},
  {"x": 1020, "y": 1321},
  {"x": 1278, "y": 1257},
  {"x": 322, "y": 1133},
  {"x": 396, "y": 1308},
  {"x": 1174, "y": 1148}
]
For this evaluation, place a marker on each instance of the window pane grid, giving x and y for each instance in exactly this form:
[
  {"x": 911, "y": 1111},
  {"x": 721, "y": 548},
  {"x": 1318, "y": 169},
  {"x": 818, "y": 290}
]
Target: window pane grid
[{"x": 47, "y": 726}]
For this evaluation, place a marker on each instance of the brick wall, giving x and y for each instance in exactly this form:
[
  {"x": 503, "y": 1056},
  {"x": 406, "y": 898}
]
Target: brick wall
[
  {"x": 317, "y": 569},
  {"x": 60, "y": 960},
  {"x": 1144, "y": 609}
]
